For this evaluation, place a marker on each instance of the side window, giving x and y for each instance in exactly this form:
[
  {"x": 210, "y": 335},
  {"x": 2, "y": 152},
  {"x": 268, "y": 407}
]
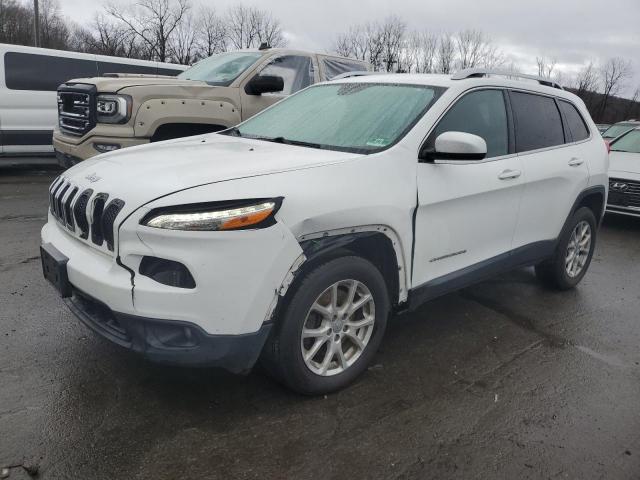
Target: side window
[
  {"x": 575, "y": 122},
  {"x": 297, "y": 72},
  {"x": 481, "y": 113},
  {"x": 335, "y": 66},
  {"x": 110, "y": 67},
  {"x": 27, "y": 71},
  {"x": 537, "y": 121}
]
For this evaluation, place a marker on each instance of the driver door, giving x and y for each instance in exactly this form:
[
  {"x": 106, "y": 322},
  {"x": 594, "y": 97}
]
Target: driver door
[
  {"x": 467, "y": 211},
  {"x": 297, "y": 71}
]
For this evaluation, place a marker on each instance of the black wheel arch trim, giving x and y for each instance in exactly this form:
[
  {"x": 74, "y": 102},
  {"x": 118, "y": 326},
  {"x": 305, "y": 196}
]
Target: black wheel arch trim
[
  {"x": 595, "y": 189},
  {"x": 336, "y": 245}
]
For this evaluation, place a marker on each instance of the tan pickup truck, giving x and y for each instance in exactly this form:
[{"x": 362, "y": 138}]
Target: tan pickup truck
[{"x": 97, "y": 115}]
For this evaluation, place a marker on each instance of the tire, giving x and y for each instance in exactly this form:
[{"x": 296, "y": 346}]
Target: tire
[
  {"x": 558, "y": 272},
  {"x": 283, "y": 355}
]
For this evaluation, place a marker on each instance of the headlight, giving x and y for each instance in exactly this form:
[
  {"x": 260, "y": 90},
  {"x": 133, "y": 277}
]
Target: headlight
[
  {"x": 215, "y": 216},
  {"x": 113, "y": 108}
]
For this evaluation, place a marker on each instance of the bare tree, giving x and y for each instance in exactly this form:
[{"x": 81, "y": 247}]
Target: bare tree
[
  {"x": 546, "y": 66},
  {"x": 363, "y": 42},
  {"x": 54, "y": 32},
  {"x": 474, "y": 48},
  {"x": 212, "y": 33},
  {"x": 613, "y": 74},
  {"x": 106, "y": 37},
  {"x": 392, "y": 32},
  {"x": 632, "y": 105},
  {"x": 268, "y": 29},
  {"x": 446, "y": 53},
  {"x": 587, "y": 79},
  {"x": 153, "y": 22},
  {"x": 183, "y": 45},
  {"x": 248, "y": 27},
  {"x": 16, "y": 23},
  {"x": 427, "y": 44},
  {"x": 409, "y": 52}
]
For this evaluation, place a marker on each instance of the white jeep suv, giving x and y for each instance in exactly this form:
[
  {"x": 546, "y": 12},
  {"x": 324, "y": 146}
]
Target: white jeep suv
[{"x": 293, "y": 236}]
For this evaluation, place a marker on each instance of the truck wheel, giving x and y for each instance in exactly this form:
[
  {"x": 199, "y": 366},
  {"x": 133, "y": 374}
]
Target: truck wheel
[
  {"x": 330, "y": 328},
  {"x": 573, "y": 254}
]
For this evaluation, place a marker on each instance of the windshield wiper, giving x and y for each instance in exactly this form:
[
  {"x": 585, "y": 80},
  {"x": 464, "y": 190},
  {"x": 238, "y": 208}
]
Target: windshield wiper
[{"x": 287, "y": 141}]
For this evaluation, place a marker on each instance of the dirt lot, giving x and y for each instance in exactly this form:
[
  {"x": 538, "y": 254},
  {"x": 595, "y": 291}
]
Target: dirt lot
[{"x": 502, "y": 380}]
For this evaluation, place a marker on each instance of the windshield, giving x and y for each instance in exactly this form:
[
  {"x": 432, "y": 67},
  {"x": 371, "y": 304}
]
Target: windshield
[
  {"x": 629, "y": 143},
  {"x": 354, "y": 117},
  {"x": 616, "y": 130},
  {"x": 221, "y": 69}
]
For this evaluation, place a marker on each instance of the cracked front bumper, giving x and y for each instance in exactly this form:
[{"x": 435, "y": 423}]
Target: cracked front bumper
[
  {"x": 169, "y": 342},
  {"x": 237, "y": 274}
]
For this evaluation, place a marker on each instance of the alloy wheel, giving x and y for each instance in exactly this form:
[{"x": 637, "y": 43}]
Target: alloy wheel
[
  {"x": 338, "y": 327},
  {"x": 578, "y": 249}
]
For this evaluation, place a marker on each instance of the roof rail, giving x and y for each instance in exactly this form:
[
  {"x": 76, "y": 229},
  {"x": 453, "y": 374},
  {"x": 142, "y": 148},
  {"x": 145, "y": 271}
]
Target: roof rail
[
  {"x": 485, "y": 72},
  {"x": 355, "y": 74}
]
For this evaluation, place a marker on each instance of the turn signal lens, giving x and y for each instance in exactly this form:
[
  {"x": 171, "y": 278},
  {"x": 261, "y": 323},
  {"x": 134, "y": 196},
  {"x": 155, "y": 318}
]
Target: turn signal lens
[
  {"x": 228, "y": 219},
  {"x": 248, "y": 219}
]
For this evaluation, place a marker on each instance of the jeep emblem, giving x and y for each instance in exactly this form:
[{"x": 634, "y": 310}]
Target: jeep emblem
[{"x": 93, "y": 178}]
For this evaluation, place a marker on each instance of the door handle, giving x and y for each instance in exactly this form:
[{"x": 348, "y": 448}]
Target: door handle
[
  {"x": 575, "y": 162},
  {"x": 509, "y": 174}
]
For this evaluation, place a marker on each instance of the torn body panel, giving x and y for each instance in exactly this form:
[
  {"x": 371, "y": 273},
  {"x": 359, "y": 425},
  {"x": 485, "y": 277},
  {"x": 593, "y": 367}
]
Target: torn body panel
[{"x": 346, "y": 237}]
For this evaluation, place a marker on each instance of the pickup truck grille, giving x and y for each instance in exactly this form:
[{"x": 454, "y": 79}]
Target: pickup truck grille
[
  {"x": 89, "y": 216},
  {"x": 624, "y": 193},
  {"x": 76, "y": 108}
]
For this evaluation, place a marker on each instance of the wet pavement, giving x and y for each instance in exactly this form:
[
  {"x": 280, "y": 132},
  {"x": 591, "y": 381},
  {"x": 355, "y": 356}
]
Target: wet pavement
[{"x": 502, "y": 380}]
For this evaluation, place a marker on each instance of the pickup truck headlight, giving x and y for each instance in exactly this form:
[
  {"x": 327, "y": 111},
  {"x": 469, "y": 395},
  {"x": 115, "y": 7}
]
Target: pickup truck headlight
[
  {"x": 113, "y": 108},
  {"x": 257, "y": 213}
]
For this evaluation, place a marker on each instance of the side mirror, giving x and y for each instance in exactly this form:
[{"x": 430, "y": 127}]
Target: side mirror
[
  {"x": 264, "y": 84},
  {"x": 456, "y": 146}
]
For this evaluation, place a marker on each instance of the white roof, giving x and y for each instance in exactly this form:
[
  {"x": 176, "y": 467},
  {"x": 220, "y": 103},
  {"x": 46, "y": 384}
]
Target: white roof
[{"x": 440, "y": 80}]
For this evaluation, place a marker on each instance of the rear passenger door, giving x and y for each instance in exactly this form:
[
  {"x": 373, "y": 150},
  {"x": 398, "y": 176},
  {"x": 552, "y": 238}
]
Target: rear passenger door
[{"x": 554, "y": 164}]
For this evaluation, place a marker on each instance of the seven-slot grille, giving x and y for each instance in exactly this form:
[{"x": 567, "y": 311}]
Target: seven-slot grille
[
  {"x": 90, "y": 216},
  {"x": 76, "y": 105},
  {"x": 624, "y": 193}
]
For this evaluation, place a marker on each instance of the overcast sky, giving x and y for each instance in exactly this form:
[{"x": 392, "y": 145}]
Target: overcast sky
[{"x": 572, "y": 31}]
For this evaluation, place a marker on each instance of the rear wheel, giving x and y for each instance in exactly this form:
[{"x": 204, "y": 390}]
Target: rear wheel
[
  {"x": 573, "y": 254},
  {"x": 330, "y": 328}
]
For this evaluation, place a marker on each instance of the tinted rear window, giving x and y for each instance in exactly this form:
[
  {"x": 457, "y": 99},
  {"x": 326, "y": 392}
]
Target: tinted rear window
[
  {"x": 575, "y": 123},
  {"x": 28, "y": 71},
  {"x": 113, "y": 67},
  {"x": 537, "y": 121},
  {"x": 169, "y": 71}
]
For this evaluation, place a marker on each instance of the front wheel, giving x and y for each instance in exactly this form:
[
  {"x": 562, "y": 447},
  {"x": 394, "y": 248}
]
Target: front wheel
[
  {"x": 573, "y": 254},
  {"x": 330, "y": 328}
]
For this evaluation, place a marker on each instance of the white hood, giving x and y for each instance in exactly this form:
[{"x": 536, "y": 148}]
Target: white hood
[
  {"x": 624, "y": 163},
  {"x": 140, "y": 174}
]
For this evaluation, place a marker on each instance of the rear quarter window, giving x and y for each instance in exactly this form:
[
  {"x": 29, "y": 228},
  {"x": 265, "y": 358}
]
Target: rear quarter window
[
  {"x": 537, "y": 121},
  {"x": 28, "y": 71},
  {"x": 574, "y": 121},
  {"x": 336, "y": 66},
  {"x": 113, "y": 67}
]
